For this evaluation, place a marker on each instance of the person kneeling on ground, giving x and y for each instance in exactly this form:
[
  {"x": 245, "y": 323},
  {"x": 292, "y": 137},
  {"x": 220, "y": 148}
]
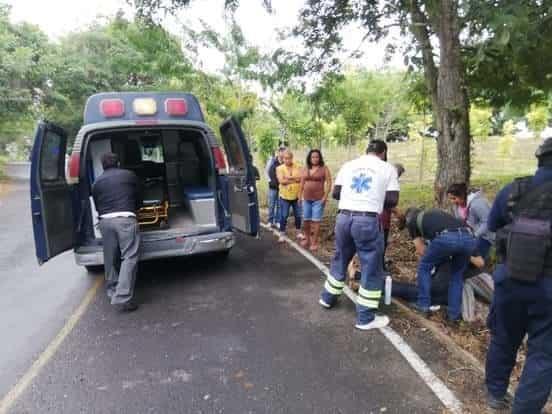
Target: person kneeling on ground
[
  {"x": 450, "y": 240},
  {"x": 473, "y": 208},
  {"x": 117, "y": 197}
]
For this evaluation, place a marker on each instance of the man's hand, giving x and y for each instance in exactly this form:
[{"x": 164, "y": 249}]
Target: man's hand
[
  {"x": 477, "y": 261},
  {"x": 419, "y": 244}
]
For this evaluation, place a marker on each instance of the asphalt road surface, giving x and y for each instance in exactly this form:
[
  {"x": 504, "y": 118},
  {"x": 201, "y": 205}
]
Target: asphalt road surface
[{"x": 245, "y": 335}]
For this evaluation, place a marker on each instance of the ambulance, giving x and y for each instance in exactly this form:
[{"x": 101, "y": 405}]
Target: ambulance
[{"x": 196, "y": 197}]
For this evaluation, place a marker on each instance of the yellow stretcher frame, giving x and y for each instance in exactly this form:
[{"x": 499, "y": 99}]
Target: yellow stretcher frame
[{"x": 151, "y": 215}]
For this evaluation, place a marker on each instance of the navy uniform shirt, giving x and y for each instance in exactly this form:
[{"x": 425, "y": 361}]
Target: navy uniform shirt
[{"x": 498, "y": 217}]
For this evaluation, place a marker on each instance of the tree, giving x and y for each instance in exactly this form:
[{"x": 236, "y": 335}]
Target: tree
[{"x": 322, "y": 21}]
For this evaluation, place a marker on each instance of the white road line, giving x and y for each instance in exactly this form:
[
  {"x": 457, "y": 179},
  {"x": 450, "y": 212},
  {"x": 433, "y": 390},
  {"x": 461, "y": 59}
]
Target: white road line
[
  {"x": 50, "y": 350},
  {"x": 445, "y": 395}
]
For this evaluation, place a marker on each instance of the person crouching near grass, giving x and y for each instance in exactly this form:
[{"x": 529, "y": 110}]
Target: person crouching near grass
[
  {"x": 289, "y": 180},
  {"x": 316, "y": 184}
]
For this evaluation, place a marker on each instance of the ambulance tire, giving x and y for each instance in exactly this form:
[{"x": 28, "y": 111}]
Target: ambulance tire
[{"x": 94, "y": 269}]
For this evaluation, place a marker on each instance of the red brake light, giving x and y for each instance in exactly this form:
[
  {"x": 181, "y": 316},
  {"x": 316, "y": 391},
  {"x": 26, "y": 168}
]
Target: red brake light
[
  {"x": 112, "y": 108},
  {"x": 73, "y": 168},
  {"x": 220, "y": 162},
  {"x": 176, "y": 107}
]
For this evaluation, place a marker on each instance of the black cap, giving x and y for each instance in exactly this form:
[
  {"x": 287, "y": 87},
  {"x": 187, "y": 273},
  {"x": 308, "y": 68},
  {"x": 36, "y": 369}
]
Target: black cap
[{"x": 545, "y": 149}]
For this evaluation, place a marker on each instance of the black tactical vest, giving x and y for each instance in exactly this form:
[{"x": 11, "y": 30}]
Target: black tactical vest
[{"x": 525, "y": 244}]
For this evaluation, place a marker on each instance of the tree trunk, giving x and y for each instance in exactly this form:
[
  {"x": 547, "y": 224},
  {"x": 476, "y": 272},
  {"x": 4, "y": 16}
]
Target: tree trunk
[{"x": 453, "y": 145}]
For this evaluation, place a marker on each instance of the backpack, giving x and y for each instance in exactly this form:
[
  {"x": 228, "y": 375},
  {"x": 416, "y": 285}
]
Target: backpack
[{"x": 525, "y": 244}]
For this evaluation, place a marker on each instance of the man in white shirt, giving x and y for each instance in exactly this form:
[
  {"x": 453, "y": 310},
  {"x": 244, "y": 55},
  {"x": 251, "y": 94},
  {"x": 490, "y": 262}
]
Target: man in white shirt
[{"x": 363, "y": 186}]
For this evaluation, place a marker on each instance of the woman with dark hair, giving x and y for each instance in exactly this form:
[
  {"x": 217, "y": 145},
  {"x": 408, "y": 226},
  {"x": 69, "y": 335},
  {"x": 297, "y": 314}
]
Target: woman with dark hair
[
  {"x": 316, "y": 184},
  {"x": 473, "y": 208}
]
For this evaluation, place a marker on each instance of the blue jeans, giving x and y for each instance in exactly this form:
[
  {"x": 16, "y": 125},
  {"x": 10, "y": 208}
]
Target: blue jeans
[
  {"x": 518, "y": 309},
  {"x": 285, "y": 205},
  {"x": 273, "y": 206},
  {"x": 483, "y": 247},
  {"x": 313, "y": 210},
  {"x": 456, "y": 247},
  {"x": 362, "y": 235}
]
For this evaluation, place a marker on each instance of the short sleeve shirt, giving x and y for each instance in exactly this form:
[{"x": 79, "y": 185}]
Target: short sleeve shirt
[
  {"x": 364, "y": 182},
  {"x": 289, "y": 192},
  {"x": 433, "y": 222}
]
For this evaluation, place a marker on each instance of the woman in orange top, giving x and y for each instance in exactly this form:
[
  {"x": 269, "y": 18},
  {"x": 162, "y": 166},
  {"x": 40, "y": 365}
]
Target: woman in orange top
[{"x": 316, "y": 184}]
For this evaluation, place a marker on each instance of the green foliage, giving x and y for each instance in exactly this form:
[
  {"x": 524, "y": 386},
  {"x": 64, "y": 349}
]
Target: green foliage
[
  {"x": 537, "y": 118},
  {"x": 480, "y": 122}
]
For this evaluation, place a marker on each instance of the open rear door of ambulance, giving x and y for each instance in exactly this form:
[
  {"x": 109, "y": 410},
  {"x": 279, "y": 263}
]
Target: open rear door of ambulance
[
  {"x": 244, "y": 206},
  {"x": 51, "y": 207}
]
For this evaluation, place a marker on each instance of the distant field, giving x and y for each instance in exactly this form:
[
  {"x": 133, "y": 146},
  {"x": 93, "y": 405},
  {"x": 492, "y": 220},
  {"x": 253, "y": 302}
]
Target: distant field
[{"x": 494, "y": 163}]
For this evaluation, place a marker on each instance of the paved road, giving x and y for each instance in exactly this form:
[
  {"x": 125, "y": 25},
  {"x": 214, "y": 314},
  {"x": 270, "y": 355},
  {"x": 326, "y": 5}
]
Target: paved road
[
  {"x": 34, "y": 301},
  {"x": 241, "y": 336}
]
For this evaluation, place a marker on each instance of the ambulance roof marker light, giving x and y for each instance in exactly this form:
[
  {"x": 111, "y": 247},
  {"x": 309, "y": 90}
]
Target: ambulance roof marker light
[
  {"x": 176, "y": 107},
  {"x": 112, "y": 108},
  {"x": 144, "y": 106}
]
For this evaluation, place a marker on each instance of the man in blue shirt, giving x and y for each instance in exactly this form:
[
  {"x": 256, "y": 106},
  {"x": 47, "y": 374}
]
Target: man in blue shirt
[{"x": 521, "y": 307}]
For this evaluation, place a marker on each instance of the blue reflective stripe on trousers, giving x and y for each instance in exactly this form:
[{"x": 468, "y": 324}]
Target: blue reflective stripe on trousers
[{"x": 362, "y": 235}]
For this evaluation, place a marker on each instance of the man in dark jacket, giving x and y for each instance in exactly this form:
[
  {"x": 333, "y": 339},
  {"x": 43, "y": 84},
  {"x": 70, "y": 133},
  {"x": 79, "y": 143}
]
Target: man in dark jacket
[
  {"x": 450, "y": 240},
  {"x": 273, "y": 197},
  {"x": 116, "y": 194}
]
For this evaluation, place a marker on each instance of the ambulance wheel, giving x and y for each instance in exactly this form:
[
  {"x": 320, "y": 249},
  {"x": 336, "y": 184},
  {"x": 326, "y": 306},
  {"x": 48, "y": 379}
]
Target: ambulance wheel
[{"x": 94, "y": 268}]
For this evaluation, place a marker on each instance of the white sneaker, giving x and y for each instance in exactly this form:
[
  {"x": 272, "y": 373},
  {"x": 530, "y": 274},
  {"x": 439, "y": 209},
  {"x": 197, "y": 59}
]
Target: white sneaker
[
  {"x": 434, "y": 308},
  {"x": 323, "y": 304},
  {"x": 281, "y": 239},
  {"x": 380, "y": 321}
]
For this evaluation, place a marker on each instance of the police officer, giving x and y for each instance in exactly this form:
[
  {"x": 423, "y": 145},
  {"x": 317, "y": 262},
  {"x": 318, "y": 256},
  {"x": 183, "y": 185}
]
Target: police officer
[
  {"x": 522, "y": 301},
  {"x": 363, "y": 187}
]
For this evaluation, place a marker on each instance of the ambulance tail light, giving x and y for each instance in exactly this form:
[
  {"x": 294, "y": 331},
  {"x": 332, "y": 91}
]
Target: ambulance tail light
[
  {"x": 220, "y": 162},
  {"x": 73, "y": 168},
  {"x": 176, "y": 107},
  {"x": 112, "y": 108}
]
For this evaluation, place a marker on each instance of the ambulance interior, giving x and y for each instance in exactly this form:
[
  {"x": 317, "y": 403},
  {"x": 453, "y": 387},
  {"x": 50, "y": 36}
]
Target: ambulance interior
[{"x": 176, "y": 174}]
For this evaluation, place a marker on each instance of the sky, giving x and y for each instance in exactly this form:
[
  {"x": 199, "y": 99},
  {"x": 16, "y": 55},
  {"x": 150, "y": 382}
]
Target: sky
[{"x": 59, "y": 17}]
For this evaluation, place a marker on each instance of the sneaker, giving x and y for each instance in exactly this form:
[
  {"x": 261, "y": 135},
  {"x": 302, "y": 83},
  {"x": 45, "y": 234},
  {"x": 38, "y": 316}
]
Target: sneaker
[
  {"x": 499, "y": 404},
  {"x": 418, "y": 309},
  {"x": 380, "y": 321},
  {"x": 324, "y": 304},
  {"x": 127, "y": 307},
  {"x": 435, "y": 308},
  {"x": 281, "y": 239}
]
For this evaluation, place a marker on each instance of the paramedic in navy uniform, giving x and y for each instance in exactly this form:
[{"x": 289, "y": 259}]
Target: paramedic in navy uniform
[
  {"x": 363, "y": 186},
  {"x": 117, "y": 197}
]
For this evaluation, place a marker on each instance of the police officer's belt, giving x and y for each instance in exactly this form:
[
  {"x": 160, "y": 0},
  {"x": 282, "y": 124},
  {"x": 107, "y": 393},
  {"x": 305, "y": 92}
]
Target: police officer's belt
[
  {"x": 456, "y": 230},
  {"x": 358, "y": 213}
]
